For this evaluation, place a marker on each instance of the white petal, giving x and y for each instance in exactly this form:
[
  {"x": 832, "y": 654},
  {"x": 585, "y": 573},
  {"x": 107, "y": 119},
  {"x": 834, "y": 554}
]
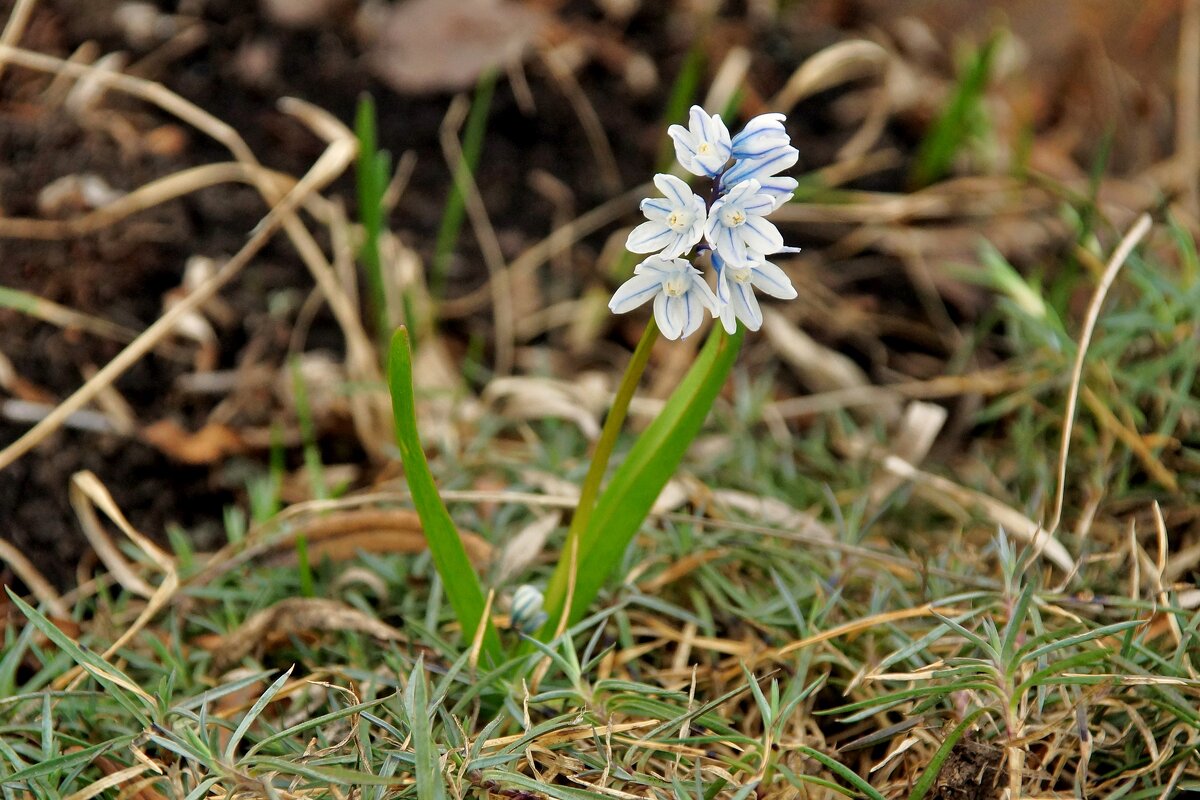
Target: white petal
[
  {"x": 741, "y": 191},
  {"x": 685, "y": 148},
  {"x": 772, "y": 280},
  {"x": 657, "y": 208},
  {"x": 721, "y": 136},
  {"x": 745, "y": 305},
  {"x": 728, "y": 320},
  {"x": 634, "y": 292},
  {"x": 700, "y": 124},
  {"x": 769, "y": 164},
  {"x": 678, "y": 193},
  {"x": 662, "y": 315},
  {"x": 761, "y": 135},
  {"x": 730, "y": 245},
  {"x": 761, "y": 236},
  {"x": 649, "y": 237},
  {"x": 704, "y": 295},
  {"x": 658, "y": 265},
  {"x": 682, "y": 243},
  {"x": 780, "y": 189},
  {"x": 760, "y": 204},
  {"x": 689, "y": 318}
]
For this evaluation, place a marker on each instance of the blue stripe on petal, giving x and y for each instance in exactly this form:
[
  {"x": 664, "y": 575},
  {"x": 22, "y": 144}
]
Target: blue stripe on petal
[
  {"x": 674, "y": 190},
  {"x": 772, "y": 280},
  {"x": 761, "y": 236},
  {"x": 750, "y": 312},
  {"x": 649, "y": 237},
  {"x": 657, "y": 206},
  {"x": 634, "y": 292}
]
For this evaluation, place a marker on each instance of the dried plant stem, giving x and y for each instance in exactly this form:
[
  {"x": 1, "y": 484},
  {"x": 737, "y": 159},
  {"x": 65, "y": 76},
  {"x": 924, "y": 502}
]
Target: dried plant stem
[
  {"x": 330, "y": 165},
  {"x": 1119, "y": 256},
  {"x": 498, "y": 271},
  {"x": 17, "y": 21}
]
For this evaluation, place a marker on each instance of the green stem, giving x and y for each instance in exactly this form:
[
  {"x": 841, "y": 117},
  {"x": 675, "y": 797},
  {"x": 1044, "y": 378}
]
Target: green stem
[{"x": 600, "y": 457}]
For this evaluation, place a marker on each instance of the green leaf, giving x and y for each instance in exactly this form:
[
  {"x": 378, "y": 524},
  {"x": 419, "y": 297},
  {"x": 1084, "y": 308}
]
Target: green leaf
[
  {"x": 926, "y": 781},
  {"x": 519, "y": 781},
  {"x": 472, "y": 148},
  {"x": 626, "y": 501},
  {"x": 449, "y": 556},
  {"x": 123, "y": 688},
  {"x": 255, "y": 710},
  {"x": 959, "y": 121},
  {"x": 340, "y": 776},
  {"x": 842, "y": 771},
  {"x": 430, "y": 783},
  {"x": 372, "y": 177},
  {"x": 50, "y": 766}
]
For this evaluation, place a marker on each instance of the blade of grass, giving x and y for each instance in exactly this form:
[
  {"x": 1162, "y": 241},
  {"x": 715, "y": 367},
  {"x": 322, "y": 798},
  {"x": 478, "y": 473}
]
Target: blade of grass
[
  {"x": 372, "y": 177},
  {"x": 122, "y": 688},
  {"x": 449, "y": 556},
  {"x": 472, "y": 147},
  {"x": 842, "y": 771},
  {"x": 426, "y": 769},
  {"x": 926, "y": 781},
  {"x": 958, "y": 119},
  {"x": 253, "y": 713}
]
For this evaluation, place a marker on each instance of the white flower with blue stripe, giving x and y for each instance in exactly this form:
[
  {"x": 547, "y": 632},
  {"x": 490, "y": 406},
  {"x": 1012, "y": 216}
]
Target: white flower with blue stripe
[
  {"x": 703, "y": 147},
  {"x": 679, "y": 292},
  {"x": 736, "y": 224},
  {"x": 745, "y": 187},
  {"x": 736, "y": 285},
  {"x": 674, "y": 223}
]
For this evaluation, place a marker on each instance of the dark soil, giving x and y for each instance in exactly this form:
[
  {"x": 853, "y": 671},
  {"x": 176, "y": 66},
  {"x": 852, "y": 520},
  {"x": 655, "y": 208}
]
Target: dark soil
[{"x": 970, "y": 772}]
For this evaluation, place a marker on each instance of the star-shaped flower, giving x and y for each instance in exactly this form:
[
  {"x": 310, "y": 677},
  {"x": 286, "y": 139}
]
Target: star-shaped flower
[
  {"x": 679, "y": 291},
  {"x": 736, "y": 224},
  {"x": 703, "y": 147},
  {"x": 736, "y": 285},
  {"x": 674, "y": 223}
]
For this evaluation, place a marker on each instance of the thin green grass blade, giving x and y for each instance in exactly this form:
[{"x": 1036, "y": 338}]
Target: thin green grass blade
[
  {"x": 472, "y": 147},
  {"x": 958, "y": 120},
  {"x": 516, "y": 780},
  {"x": 927, "y": 779},
  {"x": 842, "y": 771},
  {"x": 449, "y": 556},
  {"x": 252, "y": 714},
  {"x": 122, "y": 688},
  {"x": 84, "y": 756},
  {"x": 372, "y": 177},
  {"x": 326, "y": 775},
  {"x": 430, "y": 782}
]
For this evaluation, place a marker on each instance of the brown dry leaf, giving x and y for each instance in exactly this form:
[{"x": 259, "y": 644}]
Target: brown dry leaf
[
  {"x": 296, "y": 615},
  {"x": 206, "y": 446},
  {"x": 338, "y": 536},
  {"x": 434, "y": 45}
]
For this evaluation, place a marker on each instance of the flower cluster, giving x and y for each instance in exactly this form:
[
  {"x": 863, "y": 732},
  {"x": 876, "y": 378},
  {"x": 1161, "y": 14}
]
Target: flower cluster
[{"x": 730, "y": 226}]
